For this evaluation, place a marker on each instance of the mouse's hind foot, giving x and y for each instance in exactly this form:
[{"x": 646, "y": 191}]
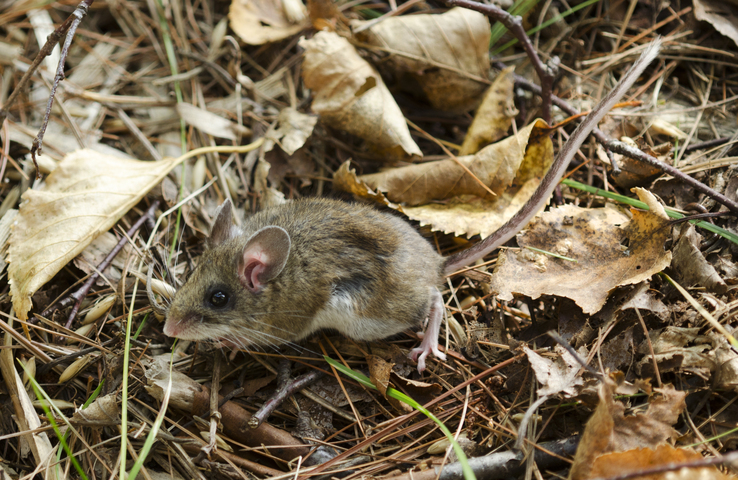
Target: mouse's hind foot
[{"x": 430, "y": 337}]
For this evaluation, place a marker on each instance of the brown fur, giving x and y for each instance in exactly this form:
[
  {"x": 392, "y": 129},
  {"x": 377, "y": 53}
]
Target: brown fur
[{"x": 350, "y": 258}]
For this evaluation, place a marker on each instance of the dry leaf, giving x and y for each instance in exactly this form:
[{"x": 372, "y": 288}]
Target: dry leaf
[
  {"x": 521, "y": 161},
  {"x": 350, "y": 95},
  {"x": 592, "y": 237},
  {"x": 723, "y": 16},
  {"x": 95, "y": 253},
  {"x": 83, "y": 198},
  {"x": 262, "y": 21},
  {"x": 210, "y": 123},
  {"x": 609, "y": 430},
  {"x": 690, "y": 264},
  {"x": 511, "y": 161},
  {"x": 5, "y": 227},
  {"x": 621, "y": 463},
  {"x": 379, "y": 372},
  {"x": 291, "y": 132},
  {"x": 558, "y": 374},
  {"x": 447, "y": 54},
  {"x": 494, "y": 116}
]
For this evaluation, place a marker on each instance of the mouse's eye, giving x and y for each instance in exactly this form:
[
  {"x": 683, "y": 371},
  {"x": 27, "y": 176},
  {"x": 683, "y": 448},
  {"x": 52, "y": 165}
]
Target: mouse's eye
[{"x": 219, "y": 299}]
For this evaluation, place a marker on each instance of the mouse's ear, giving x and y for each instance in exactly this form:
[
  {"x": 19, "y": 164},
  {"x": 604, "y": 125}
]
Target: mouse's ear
[
  {"x": 223, "y": 228},
  {"x": 264, "y": 257}
]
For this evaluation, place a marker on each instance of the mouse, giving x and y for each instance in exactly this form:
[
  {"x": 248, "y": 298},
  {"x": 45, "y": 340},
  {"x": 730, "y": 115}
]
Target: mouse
[{"x": 317, "y": 264}]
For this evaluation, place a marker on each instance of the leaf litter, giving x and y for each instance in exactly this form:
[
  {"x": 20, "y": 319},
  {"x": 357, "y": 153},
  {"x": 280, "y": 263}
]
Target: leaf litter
[{"x": 377, "y": 107}]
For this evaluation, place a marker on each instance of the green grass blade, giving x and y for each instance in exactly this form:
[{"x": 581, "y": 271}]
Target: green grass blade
[
  {"x": 44, "y": 398},
  {"x": 541, "y": 26},
  {"x": 364, "y": 380},
  {"x": 638, "y": 204},
  {"x": 151, "y": 437}
]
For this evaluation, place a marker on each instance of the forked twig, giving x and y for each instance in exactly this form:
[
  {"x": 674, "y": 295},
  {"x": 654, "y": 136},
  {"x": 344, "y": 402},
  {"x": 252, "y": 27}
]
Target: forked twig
[{"x": 514, "y": 23}]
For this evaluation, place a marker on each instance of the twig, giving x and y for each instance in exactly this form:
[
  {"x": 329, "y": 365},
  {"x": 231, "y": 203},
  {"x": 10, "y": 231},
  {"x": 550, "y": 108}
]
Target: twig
[
  {"x": 45, "y": 51},
  {"x": 81, "y": 293},
  {"x": 514, "y": 23},
  {"x": 628, "y": 151},
  {"x": 70, "y": 27},
  {"x": 285, "y": 389}
]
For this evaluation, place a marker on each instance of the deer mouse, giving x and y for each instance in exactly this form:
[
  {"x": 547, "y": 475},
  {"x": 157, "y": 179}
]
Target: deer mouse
[{"x": 316, "y": 264}]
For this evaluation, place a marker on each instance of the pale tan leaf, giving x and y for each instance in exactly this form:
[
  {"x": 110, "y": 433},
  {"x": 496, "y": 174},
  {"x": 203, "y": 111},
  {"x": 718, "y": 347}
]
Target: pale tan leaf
[
  {"x": 5, "y": 226},
  {"x": 95, "y": 253},
  {"x": 723, "y": 16},
  {"x": 515, "y": 159},
  {"x": 690, "y": 264},
  {"x": 84, "y": 197},
  {"x": 468, "y": 215},
  {"x": 210, "y": 123},
  {"x": 292, "y": 131},
  {"x": 346, "y": 179},
  {"x": 558, "y": 374},
  {"x": 447, "y": 54},
  {"x": 349, "y": 95},
  {"x": 263, "y": 21},
  {"x": 592, "y": 237},
  {"x": 103, "y": 411},
  {"x": 494, "y": 116}
]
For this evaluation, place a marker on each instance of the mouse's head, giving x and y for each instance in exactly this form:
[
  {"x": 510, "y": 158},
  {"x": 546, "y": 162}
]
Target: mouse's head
[{"x": 223, "y": 299}]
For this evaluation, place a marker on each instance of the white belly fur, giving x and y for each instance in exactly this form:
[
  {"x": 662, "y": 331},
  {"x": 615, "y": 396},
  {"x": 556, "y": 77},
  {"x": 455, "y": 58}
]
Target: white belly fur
[{"x": 340, "y": 314}]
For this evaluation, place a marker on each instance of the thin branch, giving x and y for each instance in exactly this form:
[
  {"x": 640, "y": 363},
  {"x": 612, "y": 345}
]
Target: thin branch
[
  {"x": 70, "y": 26},
  {"x": 631, "y": 152},
  {"x": 514, "y": 23}
]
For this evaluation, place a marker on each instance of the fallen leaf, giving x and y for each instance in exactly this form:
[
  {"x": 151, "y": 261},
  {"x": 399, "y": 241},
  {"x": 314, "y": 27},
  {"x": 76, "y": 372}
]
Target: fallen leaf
[
  {"x": 104, "y": 411},
  {"x": 726, "y": 363},
  {"x": 723, "y": 16},
  {"x": 83, "y": 198},
  {"x": 210, "y": 123},
  {"x": 617, "y": 351},
  {"x": 291, "y": 131},
  {"x": 595, "y": 239},
  {"x": 349, "y": 94},
  {"x": 690, "y": 264},
  {"x": 511, "y": 168},
  {"x": 610, "y": 430},
  {"x": 558, "y": 374},
  {"x": 632, "y": 461},
  {"x": 494, "y": 116},
  {"x": 379, "y": 372},
  {"x": 262, "y": 21},
  {"x": 645, "y": 300},
  {"x": 512, "y": 161},
  {"x": 446, "y": 54},
  {"x": 95, "y": 253}
]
